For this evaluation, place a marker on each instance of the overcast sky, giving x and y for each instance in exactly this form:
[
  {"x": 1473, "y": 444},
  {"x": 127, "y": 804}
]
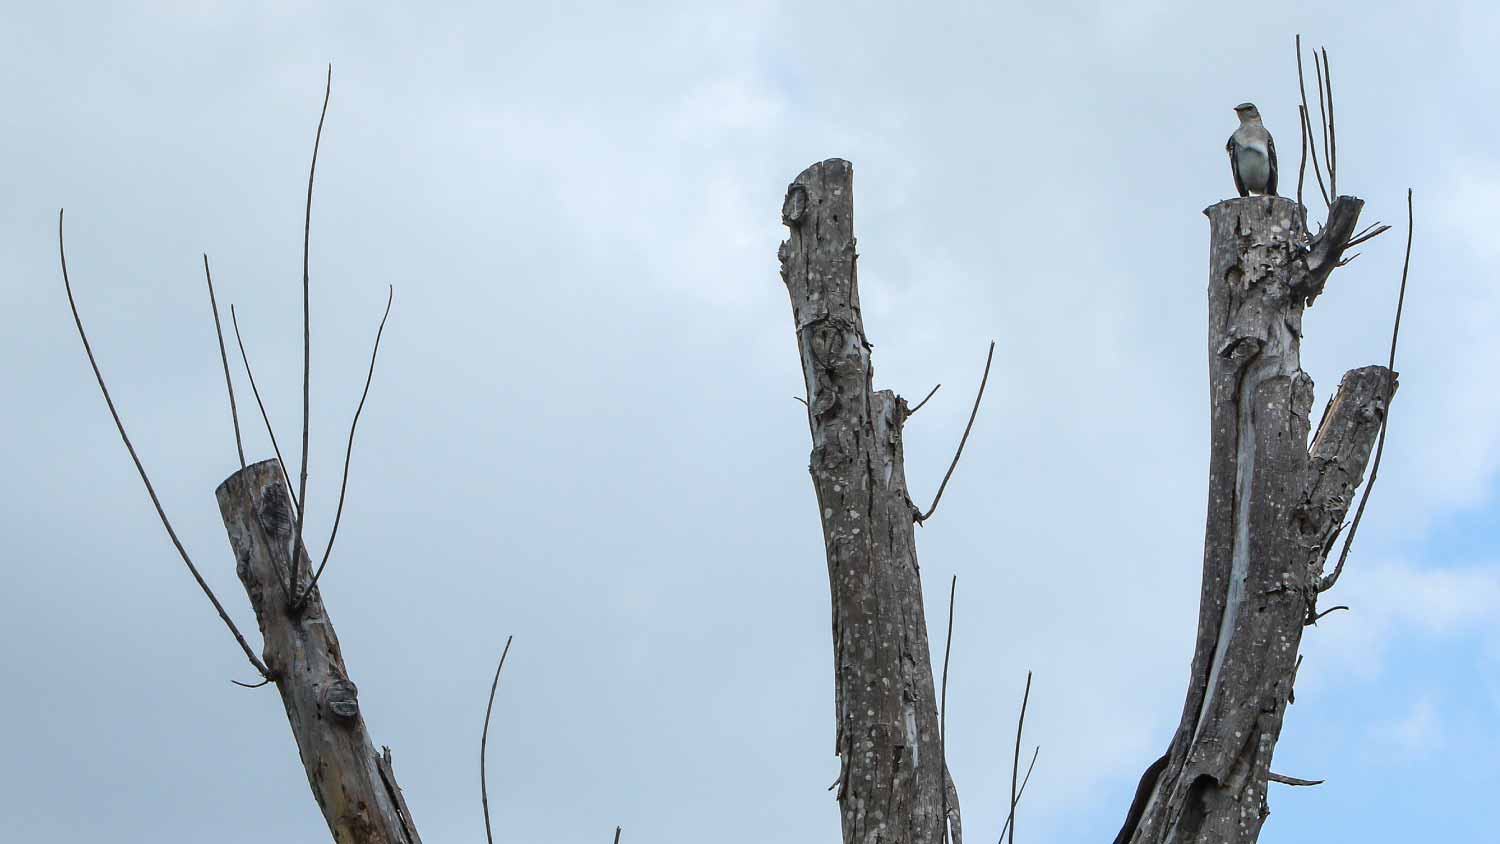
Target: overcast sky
[{"x": 582, "y": 429}]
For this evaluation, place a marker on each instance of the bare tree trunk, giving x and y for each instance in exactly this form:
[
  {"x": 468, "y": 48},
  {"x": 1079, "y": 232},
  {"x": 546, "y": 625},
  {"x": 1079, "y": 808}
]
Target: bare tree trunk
[
  {"x": 891, "y": 787},
  {"x": 354, "y": 785},
  {"x": 1274, "y": 508}
]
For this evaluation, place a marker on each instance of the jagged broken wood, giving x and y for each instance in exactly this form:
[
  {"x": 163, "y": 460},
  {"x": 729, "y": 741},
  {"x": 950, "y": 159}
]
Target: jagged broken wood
[
  {"x": 1274, "y": 508},
  {"x": 353, "y": 783},
  {"x": 893, "y": 780}
]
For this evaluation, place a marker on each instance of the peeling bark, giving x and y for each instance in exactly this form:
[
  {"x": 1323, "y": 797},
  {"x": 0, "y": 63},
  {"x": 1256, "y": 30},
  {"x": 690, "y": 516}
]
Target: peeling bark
[
  {"x": 1274, "y": 506},
  {"x": 892, "y": 780},
  {"x": 354, "y": 785}
]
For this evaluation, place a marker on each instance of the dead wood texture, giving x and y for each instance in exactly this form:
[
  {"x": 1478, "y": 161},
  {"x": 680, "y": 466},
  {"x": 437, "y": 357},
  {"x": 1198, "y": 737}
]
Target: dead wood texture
[
  {"x": 353, "y": 783},
  {"x": 892, "y": 781},
  {"x": 1275, "y": 506}
]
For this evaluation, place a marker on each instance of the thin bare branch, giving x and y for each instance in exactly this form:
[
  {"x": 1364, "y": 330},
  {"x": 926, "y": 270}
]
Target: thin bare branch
[
  {"x": 1286, "y": 780},
  {"x": 307, "y": 336},
  {"x": 1314, "y": 619},
  {"x": 349, "y": 451},
  {"x": 943, "y": 698},
  {"x": 1302, "y": 161},
  {"x": 1022, "y": 793},
  {"x": 234, "y": 413},
  {"x": 484, "y": 738},
  {"x": 1348, "y": 259},
  {"x": 1015, "y": 765},
  {"x": 1313, "y": 148},
  {"x": 1333, "y": 138},
  {"x": 1367, "y": 234},
  {"x": 1291, "y": 692},
  {"x": 251, "y": 685},
  {"x": 141, "y": 469},
  {"x": 1327, "y": 582},
  {"x": 978, "y": 397},
  {"x": 1307, "y": 125},
  {"x": 229, "y": 384},
  {"x": 250, "y": 374},
  {"x": 1323, "y": 117},
  {"x": 930, "y": 394}
]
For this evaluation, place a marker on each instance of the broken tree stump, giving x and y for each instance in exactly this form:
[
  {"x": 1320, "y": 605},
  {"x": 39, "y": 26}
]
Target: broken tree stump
[{"x": 353, "y": 783}]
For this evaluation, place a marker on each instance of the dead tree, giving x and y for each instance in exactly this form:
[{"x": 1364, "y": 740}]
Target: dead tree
[
  {"x": 353, "y": 783},
  {"x": 893, "y": 785},
  {"x": 1275, "y": 505}
]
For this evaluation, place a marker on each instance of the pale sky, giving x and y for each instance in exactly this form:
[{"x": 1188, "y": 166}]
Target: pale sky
[{"x": 582, "y": 431}]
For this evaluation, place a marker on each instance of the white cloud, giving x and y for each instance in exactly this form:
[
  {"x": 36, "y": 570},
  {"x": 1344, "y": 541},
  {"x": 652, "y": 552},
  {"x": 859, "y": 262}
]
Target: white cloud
[
  {"x": 1394, "y": 599},
  {"x": 1419, "y": 731}
]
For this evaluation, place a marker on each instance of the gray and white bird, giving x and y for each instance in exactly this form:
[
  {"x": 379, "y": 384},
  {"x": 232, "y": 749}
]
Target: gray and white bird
[{"x": 1252, "y": 154}]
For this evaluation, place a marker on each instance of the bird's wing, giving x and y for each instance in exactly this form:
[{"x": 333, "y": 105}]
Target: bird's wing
[
  {"x": 1234, "y": 167},
  {"x": 1271, "y": 151}
]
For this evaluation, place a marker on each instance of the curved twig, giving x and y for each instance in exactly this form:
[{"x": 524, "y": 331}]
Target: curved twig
[
  {"x": 912, "y": 412},
  {"x": 1286, "y": 780},
  {"x": 307, "y": 337},
  {"x": 979, "y": 397},
  {"x": 1302, "y": 122},
  {"x": 139, "y": 467},
  {"x": 1323, "y": 117},
  {"x": 250, "y": 374},
  {"x": 1314, "y": 619},
  {"x": 234, "y": 413},
  {"x": 484, "y": 738},
  {"x": 1327, "y": 582},
  {"x": 1333, "y": 138},
  {"x": 1307, "y": 126},
  {"x": 943, "y": 700},
  {"x": 251, "y": 685},
  {"x": 1301, "y": 162},
  {"x": 349, "y": 451}
]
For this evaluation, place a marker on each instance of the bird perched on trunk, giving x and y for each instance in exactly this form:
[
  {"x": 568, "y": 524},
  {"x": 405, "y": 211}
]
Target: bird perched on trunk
[{"x": 1252, "y": 154}]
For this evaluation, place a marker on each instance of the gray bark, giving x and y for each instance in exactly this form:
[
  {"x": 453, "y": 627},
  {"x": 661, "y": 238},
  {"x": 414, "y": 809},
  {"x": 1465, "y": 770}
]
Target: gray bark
[
  {"x": 353, "y": 784},
  {"x": 1274, "y": 508},
  {"x": 891, "y": 787}
]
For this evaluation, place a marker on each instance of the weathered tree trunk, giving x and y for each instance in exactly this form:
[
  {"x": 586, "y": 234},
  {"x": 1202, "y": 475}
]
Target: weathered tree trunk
[
  {"x": 354, "y": 785},
  {"x": 1274, "y": 509},
  {"x": 892, "y": 786}
]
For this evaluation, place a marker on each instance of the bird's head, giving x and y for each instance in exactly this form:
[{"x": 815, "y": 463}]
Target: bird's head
[{"x": 1247, "y": 112}]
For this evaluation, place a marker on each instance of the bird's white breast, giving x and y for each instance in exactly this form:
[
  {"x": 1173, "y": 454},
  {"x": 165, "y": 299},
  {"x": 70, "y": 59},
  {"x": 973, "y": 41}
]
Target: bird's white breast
[{"x": 1254, "y": 160}]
